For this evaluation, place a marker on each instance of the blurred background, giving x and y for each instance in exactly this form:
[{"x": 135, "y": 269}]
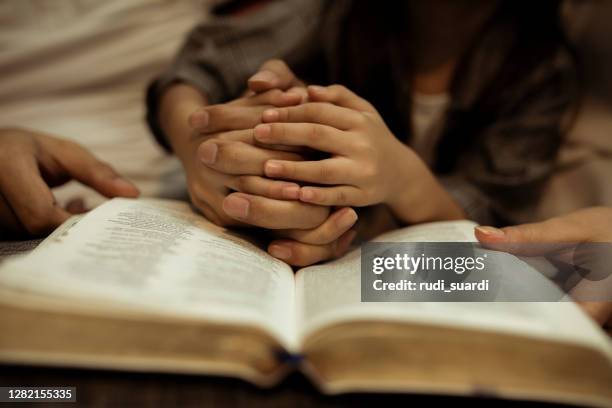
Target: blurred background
[{"x": 79, "y": 68}]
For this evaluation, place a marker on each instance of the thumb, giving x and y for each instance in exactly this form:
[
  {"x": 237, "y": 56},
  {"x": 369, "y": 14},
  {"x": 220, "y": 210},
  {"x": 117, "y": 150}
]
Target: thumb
[
  {"x": 83, "y": 166},
  {"x": 273, "y": 74}
]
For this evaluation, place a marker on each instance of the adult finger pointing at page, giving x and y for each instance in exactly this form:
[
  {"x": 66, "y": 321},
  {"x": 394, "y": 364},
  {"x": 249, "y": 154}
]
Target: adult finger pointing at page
[
  {"x": 591, "y": 225},
  {"x": 32, "y": 163}
]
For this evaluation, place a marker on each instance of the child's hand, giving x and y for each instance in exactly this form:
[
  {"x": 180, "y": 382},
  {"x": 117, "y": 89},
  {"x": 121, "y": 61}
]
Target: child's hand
[
  {"x": 215, "y": 145},
  {"x": 368, "y": 165},
  {"x": 329, "y": 240},
  {"x": 31, "y": 163}
]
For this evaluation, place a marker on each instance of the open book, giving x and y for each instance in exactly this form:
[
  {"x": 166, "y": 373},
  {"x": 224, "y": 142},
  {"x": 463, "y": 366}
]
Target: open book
[{"x": 150, "y": 285}]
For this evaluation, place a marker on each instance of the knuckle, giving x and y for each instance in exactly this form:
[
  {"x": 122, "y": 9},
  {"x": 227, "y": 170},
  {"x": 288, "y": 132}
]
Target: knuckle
[
  {"x": 369, "y": 116},
  {"x": 284, "y": 114},
  {"x": 311, "y": 110},
  {"x": 314, "y": 133},
  {"x": 100, "y": 170},
  {"x": 269, "y": 97},
  {"x": 327, "y": 173},
  {"x": 361, "y": 119},
  {"x": 223, "y": 136},
  {"x": 364, "y": 199},
  {"x": 370, "y": 150},
  {"x": 216, "y": 113},
  {"x": 278, "y": 130},
  {"x": 273, "y": 189},
  {"x": 197, "y": 192},
  {"x": 341, "y": 197},
  {"x": 321, "y": 214},
  {"x": 214, "y": 216},
  {"x": 274, "y": 93},
  {"x": 211, "y": 110},
  {"x": 228, "y": 155},
  {"x": 324, "y": 235},
  {"x": 258, "y": 211},
  {"x": 369, "y": 171},
  {"x": 337, "y": 89},
  {"x": 273, "y": 96},
  {"x": 361, "y": 146},
  {"x": 302, "y": 255}
]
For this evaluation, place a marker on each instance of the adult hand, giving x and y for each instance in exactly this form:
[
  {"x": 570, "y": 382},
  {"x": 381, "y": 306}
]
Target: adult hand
[
  {"x": 591, "y": 225},
  {"x": 32, "y": 163}
]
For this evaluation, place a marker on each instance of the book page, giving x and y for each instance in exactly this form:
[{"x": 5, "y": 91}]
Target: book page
[
  {"x": 159, "y": 257},
  {"x": 331, "y": 293}
]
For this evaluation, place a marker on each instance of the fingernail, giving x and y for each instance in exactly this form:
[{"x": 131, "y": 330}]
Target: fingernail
[
  {"x": 264, "y": 76},
  {"x": 208, "y": 153},
  {"x": 280, "y": 251},
  {"x": 271, "y": 115},
  {"x": 307, "y": 194},
  {"x": 236, "y": 206},
  {"x": 273, "y": 168},
  {"x": 316, "y": 88},
  {"x": 262, "y": 131},
  {"x": 491, "y": 231},
  {"x": 291, "y": 192},
  {"x": 347, "y": 219},
  {"x": 199, "y": 119}
]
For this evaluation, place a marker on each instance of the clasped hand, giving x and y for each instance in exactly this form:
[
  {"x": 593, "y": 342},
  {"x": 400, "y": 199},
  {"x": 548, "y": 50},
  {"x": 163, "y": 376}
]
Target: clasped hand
[{"x": 257, "y": 149}]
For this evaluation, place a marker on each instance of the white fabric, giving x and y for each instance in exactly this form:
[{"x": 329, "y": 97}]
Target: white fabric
[
  {"x": 79, "y": 68},
  {"x": 428, "y": 112}
]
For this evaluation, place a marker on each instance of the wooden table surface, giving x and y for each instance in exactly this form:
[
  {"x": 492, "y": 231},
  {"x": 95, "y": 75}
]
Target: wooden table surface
[{"x": 118, "y": 389}]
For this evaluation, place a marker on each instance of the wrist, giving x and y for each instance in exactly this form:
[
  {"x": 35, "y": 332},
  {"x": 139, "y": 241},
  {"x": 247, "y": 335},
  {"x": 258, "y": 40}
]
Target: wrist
[
  {"x": 177, "y": 103},
  {"x": 418, "y": 196},
  {"x": 408, "y": 177}
]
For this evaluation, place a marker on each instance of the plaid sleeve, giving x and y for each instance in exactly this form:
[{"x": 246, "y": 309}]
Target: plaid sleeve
[{"x": 219, "y": 55}]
